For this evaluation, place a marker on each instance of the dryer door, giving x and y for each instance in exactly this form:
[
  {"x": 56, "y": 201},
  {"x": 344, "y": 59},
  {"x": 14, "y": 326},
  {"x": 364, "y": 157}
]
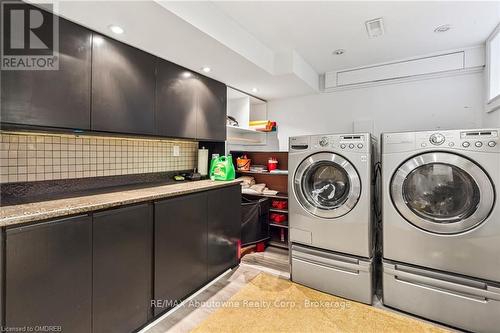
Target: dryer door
[
  {"x": 326, "y": 185},
  {"x": 442, "y": 192}
]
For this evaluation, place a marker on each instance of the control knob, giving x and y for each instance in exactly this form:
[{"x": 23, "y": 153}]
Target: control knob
[
  {"x": 323, "y": 142},
  {"x": 437, "y": 139}
]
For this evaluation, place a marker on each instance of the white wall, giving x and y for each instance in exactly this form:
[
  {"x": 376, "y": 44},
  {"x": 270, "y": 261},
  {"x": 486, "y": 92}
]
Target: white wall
[
  {"x": 239, "y": 108},
  {"x": 491, "y": 119},
  {"x": 446, "y": 102}
]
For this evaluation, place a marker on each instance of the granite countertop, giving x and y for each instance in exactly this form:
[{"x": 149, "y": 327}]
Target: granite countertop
[{"x": 42, "y": 210}]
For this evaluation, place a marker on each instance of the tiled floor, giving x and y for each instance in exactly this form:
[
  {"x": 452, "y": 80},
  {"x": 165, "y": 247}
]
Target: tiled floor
[{"x": 191, "y": 313}]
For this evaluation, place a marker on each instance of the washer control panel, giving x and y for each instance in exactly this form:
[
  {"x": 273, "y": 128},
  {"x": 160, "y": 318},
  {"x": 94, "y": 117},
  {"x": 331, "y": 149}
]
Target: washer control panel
[
  {"x": 347, "y": 142},
  {"x": 474, "y": 140}
]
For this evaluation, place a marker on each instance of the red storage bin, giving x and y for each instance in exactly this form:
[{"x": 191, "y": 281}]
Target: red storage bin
[
  {"x": 279, "y": 204},
  {"x": 278, "y": 218}
]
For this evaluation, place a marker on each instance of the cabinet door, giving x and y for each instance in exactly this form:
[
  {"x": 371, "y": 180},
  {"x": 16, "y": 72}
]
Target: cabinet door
[
  {"x": 180, "y": 248},
  {"x": 122, "y": 268},
  {"x": 52, "y": 98},
  {"x": 211, "y": 110},
  {"x": 123, "y": 87},
  {"x": 48, "y": 277},
  {"x": 224, "y": 229},
  {"x": 175, "y": 101}
]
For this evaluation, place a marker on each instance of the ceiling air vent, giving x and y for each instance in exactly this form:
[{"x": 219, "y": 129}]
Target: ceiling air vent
[{"x": 375, "y": 27}]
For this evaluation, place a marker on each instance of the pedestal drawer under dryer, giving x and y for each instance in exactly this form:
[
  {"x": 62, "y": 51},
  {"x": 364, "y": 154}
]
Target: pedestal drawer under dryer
[{"x": 466, "y": 303}]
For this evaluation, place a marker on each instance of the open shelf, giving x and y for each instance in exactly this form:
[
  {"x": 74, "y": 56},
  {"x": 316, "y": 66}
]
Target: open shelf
[
  {"x": 278, "y": 231},
  {"x": 245, "y": 136},
  {"x": 276, "y": 210},
  {"x": 267, "y": 173},
  {"x": 283, "y": 245},
  {"x": 279, "y": 225},
  {"x": 282, "y": 196},
  {"x": 238, "y": 129}
]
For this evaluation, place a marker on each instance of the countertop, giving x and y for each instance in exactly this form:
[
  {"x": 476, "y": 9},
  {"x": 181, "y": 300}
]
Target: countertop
[{"x": 42, "y": 210}]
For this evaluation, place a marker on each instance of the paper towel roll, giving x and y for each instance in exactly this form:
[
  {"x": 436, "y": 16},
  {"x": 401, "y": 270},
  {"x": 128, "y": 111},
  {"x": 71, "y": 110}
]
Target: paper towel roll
[{"x": 203, "y": 161}]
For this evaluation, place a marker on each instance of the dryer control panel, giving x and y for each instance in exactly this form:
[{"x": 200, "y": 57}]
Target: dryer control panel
[{"x": 486, "y": 140}]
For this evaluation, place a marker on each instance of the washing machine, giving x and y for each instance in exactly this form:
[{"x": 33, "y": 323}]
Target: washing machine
[
  {"x": 331, "y": 213},
  {"x": 441, "y": 226}
]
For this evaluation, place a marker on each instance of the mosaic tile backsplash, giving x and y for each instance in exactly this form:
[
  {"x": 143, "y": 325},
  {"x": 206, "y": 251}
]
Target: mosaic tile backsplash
[{"x": 36, "y": 157}]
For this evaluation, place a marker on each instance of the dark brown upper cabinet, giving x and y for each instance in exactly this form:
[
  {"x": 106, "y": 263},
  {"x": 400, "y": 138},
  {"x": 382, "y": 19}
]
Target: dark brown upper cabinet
[
  {"x": 211, "y": 110},
  {"x": 123, "y": 87},
  {"x": 176, "y": 106},
  {"x": 189, "y": 105},
  {"x": 52, "y": 98}
]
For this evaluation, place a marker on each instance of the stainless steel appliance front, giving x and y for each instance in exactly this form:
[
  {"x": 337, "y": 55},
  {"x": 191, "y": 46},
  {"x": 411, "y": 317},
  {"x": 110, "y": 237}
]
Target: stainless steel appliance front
[
  {"x": 330, "y": 203},
  {"x": 466, "y": 303},
  {"x": 330, "y": 213},
  {"x": 346, "y": 276},
  {"x": 441, "y": 226},
  {"x": 440, "y": 202}
]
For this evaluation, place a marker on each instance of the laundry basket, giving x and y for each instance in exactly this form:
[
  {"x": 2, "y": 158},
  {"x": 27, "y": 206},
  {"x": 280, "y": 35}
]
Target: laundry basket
[{"x": 254, "y": 220}]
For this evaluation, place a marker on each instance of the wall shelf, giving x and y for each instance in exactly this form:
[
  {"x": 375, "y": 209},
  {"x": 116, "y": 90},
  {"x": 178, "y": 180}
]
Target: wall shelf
[
  {"x": 267, "y": 173},
  {"x": 275, "y": 210},
  {"x": 282, "y": 196},
  {"x": 279, "y": 225},
  {"x": 238, "y": 129},
  {"x": 282, "y": 245},
  {"x": 278, "y": 231},
  {"x": 245, "y": 136}
]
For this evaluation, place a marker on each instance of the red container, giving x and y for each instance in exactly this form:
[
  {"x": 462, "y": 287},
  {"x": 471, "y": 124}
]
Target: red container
[
  {"x": 272, "y": 164},
  {"x": 279, "y": 204},
  {"x": 278, "y": 218},
  {"x": 260, "y": 247}
]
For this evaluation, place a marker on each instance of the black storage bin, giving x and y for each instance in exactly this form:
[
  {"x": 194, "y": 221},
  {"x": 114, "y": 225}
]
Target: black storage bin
[{"x": 254, "y": 220}]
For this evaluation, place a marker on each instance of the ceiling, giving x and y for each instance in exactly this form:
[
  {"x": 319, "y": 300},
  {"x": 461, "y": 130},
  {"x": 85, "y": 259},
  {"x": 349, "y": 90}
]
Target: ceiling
[
  {"x": 315, "y": 29},
  {"x": 282, "y": 48}
]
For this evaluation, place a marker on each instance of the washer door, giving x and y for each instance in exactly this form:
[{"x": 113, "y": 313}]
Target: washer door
[
  {"x": 326, "y": 185},
  {"x": 442, "y": 192}
]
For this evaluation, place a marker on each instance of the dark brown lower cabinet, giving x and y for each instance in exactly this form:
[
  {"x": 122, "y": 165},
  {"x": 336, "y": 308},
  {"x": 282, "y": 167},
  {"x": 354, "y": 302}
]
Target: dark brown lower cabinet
[
  {"x": 180, "y": 248},
  {"x": 122, "y": 268},
  {"x": 48, "y": 275},
  {"x": 100, "y": 273},
  {"x": 224, "y": 229}
]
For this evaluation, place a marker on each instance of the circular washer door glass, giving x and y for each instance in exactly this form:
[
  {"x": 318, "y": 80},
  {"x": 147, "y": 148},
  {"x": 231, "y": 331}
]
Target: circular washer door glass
[
  {"x": 325, "y": 185},
  {"x": 442, "y": 192}
]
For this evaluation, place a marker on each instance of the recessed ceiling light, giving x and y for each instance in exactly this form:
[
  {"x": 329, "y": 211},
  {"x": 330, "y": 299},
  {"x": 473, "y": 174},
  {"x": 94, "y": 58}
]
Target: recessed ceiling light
[
  {"x": 255, "y": 90},
  {"x": 116, "y": 29},
  {"x": 186, "y": 74},
  {"x": 206, "y": 69},
  {"x": 339, "y": 52},
  {"x": 442, "y": 28}
]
